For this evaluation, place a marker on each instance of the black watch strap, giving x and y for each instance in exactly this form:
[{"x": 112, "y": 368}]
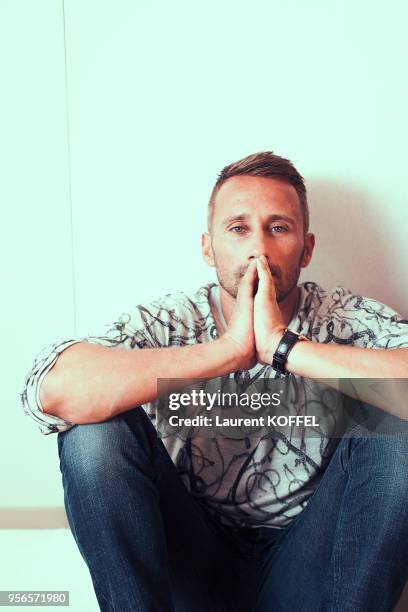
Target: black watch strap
[{"x": 286, "y": 344}]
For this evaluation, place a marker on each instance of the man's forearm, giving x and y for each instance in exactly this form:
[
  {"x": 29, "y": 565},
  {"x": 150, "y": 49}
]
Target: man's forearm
[
  {"x": 318, "y": 360},
  {"x": 91, "y": 383},
  {"x": 331, "y": 363}
]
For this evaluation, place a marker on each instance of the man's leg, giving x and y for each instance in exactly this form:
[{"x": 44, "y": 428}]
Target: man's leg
[
  {"x": 347, "y": 551},
  {"x": 148, "y": 544}
]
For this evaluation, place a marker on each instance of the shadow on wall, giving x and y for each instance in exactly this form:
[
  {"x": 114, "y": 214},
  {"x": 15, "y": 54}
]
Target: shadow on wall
[
  {"x": 357, "y": 247},
  {"x": 355, "y": 244}
]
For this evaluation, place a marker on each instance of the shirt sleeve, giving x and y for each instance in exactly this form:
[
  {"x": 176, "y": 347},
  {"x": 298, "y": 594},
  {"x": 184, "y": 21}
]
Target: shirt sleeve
[
  {"x": 140, "y": 328},
  {"x": 361, "y": 321},
  {"x": 390, "y": 328}
]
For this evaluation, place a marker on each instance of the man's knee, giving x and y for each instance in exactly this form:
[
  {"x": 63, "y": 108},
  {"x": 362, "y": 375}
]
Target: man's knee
[
  {"x": 100, "y": 450},
  {"x": 87, "y": 449},
  {"x": 384, "y": 461}
]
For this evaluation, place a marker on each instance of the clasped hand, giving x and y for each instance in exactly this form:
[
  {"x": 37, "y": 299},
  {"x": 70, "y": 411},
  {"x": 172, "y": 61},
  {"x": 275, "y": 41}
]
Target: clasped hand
[{"x": 256, "y": 325}]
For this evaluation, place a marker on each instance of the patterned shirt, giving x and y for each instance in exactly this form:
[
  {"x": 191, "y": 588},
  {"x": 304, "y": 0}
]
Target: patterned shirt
[{"x": 244, "y": 482}]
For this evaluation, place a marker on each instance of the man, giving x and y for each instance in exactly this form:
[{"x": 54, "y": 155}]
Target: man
[{"x": 208, "y": 524}]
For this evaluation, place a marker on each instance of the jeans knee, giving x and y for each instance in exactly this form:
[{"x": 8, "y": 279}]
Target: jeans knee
[
  {"x": 98, "y": 451},
  {"x": 384, "y": 462}
]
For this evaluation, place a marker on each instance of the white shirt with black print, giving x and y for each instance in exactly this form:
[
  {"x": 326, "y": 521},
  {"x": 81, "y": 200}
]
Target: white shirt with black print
[{"x": 246, "y": 482}]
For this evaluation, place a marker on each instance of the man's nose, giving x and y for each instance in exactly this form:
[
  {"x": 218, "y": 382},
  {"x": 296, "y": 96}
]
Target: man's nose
[{"x": 258, "y": 246}]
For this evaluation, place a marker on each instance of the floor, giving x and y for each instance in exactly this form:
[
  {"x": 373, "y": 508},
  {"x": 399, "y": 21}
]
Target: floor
[{"x": 48, "y": 559}]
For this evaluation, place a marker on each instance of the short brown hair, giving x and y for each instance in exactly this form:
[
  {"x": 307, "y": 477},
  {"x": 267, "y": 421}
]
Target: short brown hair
[{"x": 267, "y": 165}]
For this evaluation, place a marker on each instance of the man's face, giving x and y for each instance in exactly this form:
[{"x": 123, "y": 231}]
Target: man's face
[{"x": 257, "y": 216}]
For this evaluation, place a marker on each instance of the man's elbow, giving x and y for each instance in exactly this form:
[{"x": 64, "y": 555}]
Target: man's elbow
[
  {"x": 54, "y": 404},
  {"x": 47, "y": 395}
]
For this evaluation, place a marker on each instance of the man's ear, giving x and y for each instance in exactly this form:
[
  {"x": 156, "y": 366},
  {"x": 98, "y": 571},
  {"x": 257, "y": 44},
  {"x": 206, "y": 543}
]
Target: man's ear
[
  {"x": 206, "y": 249},
  {"x": 307, "y": 250}
]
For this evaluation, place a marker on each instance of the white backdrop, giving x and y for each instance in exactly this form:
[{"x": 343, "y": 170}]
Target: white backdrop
[{"x": 117, "y": 117}]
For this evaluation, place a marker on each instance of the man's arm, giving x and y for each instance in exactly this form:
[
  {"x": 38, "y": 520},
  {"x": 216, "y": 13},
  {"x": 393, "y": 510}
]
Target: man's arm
[
  {"x": 316, "y": 360},
  {"x": 91, "y": 383},
  {"x": 331, "y": 363}
]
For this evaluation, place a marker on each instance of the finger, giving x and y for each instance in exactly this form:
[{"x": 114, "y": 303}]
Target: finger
[
  {"x": 266, "y": 282},
  {"x": 246, "y": 286}
]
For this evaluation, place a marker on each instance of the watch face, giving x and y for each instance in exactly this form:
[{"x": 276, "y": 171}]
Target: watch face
[{"x": 288, "y": 340}]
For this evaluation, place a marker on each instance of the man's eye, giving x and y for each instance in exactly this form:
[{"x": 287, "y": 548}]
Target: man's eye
[{"x": 275, "y": 229}]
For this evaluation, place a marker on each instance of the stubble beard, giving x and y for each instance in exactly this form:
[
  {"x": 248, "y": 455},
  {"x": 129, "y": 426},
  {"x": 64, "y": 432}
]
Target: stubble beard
[{"x": 284, "y": 284}]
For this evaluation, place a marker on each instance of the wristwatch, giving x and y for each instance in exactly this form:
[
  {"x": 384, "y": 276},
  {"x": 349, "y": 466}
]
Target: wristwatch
[{"x": 286, "y": 344}]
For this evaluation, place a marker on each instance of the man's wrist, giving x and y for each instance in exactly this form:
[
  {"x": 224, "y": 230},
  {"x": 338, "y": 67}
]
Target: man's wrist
[
  {"x": 272, "y": 345},
  {"x": 234, "y": 355},
  {"x": 284, "y": 352}
]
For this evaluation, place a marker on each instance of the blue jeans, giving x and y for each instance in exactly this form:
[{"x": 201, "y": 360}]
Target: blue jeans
[{"x": 151, "y": 547}]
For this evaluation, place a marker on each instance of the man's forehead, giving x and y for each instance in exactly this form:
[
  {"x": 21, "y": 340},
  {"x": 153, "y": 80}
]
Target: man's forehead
[{"x": 253, "y": 192}]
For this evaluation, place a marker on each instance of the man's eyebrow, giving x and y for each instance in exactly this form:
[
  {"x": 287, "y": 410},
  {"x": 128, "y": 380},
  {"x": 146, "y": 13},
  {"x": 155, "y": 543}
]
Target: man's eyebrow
[{"x": 245, "y": 217}]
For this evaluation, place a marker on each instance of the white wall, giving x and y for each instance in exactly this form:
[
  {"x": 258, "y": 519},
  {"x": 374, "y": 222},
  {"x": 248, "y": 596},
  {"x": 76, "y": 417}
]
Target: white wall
[
  {"x": 160, "y": 96},
  {"x": 36, "y": 270}
]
